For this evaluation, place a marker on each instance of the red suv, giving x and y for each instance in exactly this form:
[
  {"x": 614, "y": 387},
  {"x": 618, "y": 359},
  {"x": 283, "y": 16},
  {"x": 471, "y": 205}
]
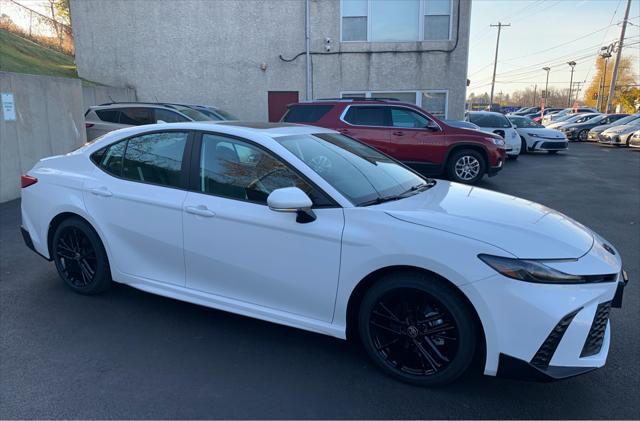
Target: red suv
[{"x": 409, "y": 134}]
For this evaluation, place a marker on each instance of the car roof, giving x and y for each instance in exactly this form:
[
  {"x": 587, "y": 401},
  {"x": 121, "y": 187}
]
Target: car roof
[
  {"x": 237, "y": 128},
  {"x": 355, "y": 101}
]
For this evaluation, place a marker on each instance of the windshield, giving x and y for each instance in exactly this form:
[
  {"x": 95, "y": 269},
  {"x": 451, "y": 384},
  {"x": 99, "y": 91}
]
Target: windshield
[
  {"x": 522, "y": 122},
  {"x": 628, "y": 119},
  {"x": 489, "y": 120},
  {"x": 194, "y": 115},
  {"x": 360, "y": 173},
  {"x": 225, "y": 114}
]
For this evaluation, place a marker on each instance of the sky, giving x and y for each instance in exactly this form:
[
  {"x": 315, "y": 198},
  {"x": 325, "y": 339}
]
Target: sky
[{"x": 545, "y": 33}]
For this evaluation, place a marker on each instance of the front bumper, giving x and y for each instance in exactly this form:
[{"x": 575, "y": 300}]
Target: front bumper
[
  {"x": 593, "y": 136},
  {"x": 634, "y": 142},
  {"x": 543, "y": 331},
  {"x": 496, "y": 169},
  {"x": 548, "y": 144}
]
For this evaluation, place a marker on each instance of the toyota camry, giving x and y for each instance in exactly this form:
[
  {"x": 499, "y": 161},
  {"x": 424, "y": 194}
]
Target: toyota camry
[{"x": 308, "y": 228}]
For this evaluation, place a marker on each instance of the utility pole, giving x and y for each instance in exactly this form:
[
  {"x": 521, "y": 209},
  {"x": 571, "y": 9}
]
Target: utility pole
[
  {"x": 614, "y": 77},
  {"x": 495, "y": 62},
  {"x": 572, "y": 64}
]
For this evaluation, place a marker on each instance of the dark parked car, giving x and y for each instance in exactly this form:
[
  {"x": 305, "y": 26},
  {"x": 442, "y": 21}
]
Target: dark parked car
[
  {"x": 409, "y": 134},
  {"x": 580, "y": 131}
]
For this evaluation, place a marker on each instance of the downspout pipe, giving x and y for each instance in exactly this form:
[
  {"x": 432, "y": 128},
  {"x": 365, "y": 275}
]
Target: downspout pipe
[{"x": 307, "y": 51}]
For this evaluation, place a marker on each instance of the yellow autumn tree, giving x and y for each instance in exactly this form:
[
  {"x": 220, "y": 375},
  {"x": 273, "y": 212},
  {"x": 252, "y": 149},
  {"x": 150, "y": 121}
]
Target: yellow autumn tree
[{"x": 625, "y": 83}]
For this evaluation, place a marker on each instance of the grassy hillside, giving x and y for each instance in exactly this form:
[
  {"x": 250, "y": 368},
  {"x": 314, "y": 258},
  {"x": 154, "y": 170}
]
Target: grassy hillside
[{"x": 23, "y": 56}]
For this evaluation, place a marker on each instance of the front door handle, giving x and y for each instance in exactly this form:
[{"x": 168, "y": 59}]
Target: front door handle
[
  {"x": 398, "y": 133},
  {"x": 101, "y": 191},
  {"x": 200, "y": 210},
  {"x": 345, "y": 131}
]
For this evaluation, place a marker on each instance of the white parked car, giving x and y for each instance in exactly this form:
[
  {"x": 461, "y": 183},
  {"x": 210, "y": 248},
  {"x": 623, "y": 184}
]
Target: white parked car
[
  {"x": 576, "y": 118},
  {"x": 619, "y": 135},
  {"x": 535, "y": 137},
  {"x": 500, "y": 125},
  {"x": 308, "y": 228}
]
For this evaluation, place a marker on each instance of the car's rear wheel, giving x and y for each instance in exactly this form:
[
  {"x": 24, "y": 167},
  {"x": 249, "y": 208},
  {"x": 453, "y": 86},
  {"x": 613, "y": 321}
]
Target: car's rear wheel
[
  {"x": 416, "y": 329},
  {"x": 80, "y": 257},
  {"x": 466, "y": 166},
  {"x": 583, "y": 135}
]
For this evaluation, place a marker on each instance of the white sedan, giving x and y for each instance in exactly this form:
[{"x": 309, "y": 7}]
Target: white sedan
[
  {"x": 535, "y": 137},
  {"x": 308, "y": 228}
]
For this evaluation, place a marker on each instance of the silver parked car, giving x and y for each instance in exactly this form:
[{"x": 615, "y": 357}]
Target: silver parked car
[{"x": 101, "y": 119}]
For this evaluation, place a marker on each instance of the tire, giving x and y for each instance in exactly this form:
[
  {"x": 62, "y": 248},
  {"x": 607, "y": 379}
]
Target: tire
[
  {"x": 466, "y": 166},
  {"x": 397, "y": 302},
  {"x": 513, "y": 157},
  {"x": 552, "y": 152},
  {"x": 523, "y": 146},
  {"x": 80, "y": 257},
  {"x": 583, "y": 135}
]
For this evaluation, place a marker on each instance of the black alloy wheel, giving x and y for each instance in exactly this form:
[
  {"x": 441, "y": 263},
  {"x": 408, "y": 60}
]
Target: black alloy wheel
[
  {"x": 80, "y": 257},
  {"x": 418, "y": 332},
  {"x": 583, "y": 135}
]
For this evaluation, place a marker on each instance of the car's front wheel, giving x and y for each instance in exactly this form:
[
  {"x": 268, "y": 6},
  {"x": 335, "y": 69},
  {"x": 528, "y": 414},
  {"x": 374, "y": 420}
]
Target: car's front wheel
[
  {"x": 466, "y": 166},
  {"x": 523, "y": 145},
  {"x": 80, "y": 257},
  {"x": 583, "y": 135},
  {"x": 417, "y": 329}
]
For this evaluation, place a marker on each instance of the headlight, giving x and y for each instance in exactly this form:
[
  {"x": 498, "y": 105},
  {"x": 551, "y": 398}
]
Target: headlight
[
  {"x": 571, "y": 129},
  {"x": 498, "y": 142},
  {"x": 533, "y": 135},
  {"x": 537, "y": 271}
]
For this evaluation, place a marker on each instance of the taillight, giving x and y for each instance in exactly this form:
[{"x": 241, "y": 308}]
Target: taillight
[
  {"x": 27, "y": 180},
  {"x": 87, "y": 125}
]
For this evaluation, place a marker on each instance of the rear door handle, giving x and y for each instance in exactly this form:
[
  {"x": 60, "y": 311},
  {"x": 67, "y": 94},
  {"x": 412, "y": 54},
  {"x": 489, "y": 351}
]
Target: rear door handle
[
  {"x": 398, "y": 133},
  {"x": 346, "y": 131},
  {"x": 101, "y": 191},
  {"x": 200, "y": 210}
]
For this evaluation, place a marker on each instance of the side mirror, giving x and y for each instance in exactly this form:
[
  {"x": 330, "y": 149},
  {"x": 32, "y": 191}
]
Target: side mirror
[
  {"x": 294, "y": 200},
  {"x": 432, "y": 126}
]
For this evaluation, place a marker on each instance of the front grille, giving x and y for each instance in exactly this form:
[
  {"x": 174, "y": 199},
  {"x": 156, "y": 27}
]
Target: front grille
[
  {"x": 549, "y": 346},
  {"x": 593, "y": 344},
  {"x": 554, "y": 145}
]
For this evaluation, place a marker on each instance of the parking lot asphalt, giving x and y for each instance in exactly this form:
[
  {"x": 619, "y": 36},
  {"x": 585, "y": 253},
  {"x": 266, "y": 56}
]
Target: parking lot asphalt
[{"x": 129, "y": 354}]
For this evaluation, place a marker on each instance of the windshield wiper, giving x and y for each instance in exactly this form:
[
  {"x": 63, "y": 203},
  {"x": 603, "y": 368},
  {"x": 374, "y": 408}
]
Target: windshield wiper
[
  {"x": 413, "y": 190},
  {"x": 379, "y": 200}
]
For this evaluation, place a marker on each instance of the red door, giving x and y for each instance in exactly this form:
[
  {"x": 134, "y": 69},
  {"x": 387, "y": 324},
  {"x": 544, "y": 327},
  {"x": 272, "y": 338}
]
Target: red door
[{"x": 278, "y": 101}]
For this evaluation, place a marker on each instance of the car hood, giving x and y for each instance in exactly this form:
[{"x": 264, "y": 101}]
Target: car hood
[
  {"x": 625, "y": 128},
  {"x": 543, "y": 132},
  {"x": 579, "y": 125},
  {"x": 522, "y": 228}
]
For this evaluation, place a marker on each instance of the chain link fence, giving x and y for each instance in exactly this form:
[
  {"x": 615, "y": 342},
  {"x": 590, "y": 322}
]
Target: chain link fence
[{"x": 35, "y": 26}]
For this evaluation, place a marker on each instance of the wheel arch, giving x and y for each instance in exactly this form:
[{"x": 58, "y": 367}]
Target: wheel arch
[
  {"x": 358, "y": 293},
  {"x": 63, "y": 216}
]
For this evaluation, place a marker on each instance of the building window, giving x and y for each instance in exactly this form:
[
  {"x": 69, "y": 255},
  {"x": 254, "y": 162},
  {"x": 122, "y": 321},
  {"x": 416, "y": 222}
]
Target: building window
[
  {"x": 396, "y": 20},
  {"x": 434, "y": 101},
  {"x": 354, "y": 20}
]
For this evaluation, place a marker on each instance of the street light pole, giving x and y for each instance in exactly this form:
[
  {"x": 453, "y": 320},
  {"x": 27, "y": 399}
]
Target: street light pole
[
  {"x": 605, "y": 54},
  {"x": 572, "y": 64},
  {"x": 546, "y": 86}
]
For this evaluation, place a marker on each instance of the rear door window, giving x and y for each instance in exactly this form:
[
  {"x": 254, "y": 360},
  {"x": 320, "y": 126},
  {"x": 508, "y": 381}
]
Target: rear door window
[
  {"x": 369, "y": 116},
  {"x": 306, "y": 113},
  {"x": 109, "y": 116},
  {"x": 136, "y": 116},
  {"x": 168, "y": 116},
  {"x": 155, "y": 158}
]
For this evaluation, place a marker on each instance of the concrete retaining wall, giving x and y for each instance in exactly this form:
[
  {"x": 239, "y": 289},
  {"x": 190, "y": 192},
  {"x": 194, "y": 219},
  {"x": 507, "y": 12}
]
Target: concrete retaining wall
[
  {"x": 96, "y": 95},
  {"x": 49, "y": 121}
]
